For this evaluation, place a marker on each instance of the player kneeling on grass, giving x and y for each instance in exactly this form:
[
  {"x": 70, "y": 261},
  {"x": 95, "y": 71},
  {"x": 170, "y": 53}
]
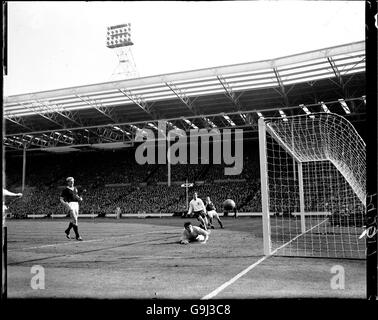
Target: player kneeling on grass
[{"x": 194, "y": 234}]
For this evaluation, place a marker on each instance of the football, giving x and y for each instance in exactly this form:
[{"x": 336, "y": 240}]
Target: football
[{"x": 228, "y": 205}]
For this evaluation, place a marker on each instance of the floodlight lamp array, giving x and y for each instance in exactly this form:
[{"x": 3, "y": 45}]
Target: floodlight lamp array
[{"x": 119, "y": 36}]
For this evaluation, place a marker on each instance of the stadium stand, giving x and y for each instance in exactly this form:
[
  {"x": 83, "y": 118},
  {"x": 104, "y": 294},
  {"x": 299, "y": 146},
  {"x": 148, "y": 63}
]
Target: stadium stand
[{"x": 114, "y": 179}]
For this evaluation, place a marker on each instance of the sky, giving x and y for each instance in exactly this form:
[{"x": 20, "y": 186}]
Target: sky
[{"x": 53, "y": 45}]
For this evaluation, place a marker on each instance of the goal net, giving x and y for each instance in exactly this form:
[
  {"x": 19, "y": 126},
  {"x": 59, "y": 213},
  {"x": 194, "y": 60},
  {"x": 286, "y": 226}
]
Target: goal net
[{"x": 313, "y": 174}]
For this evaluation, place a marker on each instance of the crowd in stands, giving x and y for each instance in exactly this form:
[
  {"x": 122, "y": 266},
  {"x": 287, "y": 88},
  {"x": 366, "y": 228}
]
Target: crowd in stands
[
  {"x": 133, "y": 199},
  {"x": 134, "y": 188},
  {"x": 115, "y": 180}
]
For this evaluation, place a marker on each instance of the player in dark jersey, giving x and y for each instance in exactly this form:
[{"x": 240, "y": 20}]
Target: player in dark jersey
[
  {"x": 70, "y": 199},
  {"x": 212, "y": 213}
]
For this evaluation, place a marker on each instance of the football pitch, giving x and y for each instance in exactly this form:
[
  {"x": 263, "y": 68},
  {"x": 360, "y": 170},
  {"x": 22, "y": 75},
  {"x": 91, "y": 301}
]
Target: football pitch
[{"x": 134, "y": 258}]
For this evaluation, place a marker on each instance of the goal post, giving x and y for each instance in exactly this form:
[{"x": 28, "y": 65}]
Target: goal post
[
  {"x": 264, "y": 188},
  {"x": 4, "y": 263},
  {"x": 313, "y": 186}
]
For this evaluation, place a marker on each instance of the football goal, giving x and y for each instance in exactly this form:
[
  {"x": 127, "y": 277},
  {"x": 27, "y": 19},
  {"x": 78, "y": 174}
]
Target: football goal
[{"x": 313, "y": 193}]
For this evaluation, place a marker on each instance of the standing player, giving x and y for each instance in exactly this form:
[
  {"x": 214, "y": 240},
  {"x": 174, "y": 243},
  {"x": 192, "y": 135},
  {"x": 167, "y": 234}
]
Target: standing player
[
  {"x": 211, "y": 213},
  {"x": 194, "y": 233},
  {"x": 70, "y": 199},
  {"x": 197, "y": 207}
]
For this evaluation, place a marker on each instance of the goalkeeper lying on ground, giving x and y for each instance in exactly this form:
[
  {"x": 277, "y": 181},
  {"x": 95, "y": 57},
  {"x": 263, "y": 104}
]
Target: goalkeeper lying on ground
[{"x": 193, "y": 234}]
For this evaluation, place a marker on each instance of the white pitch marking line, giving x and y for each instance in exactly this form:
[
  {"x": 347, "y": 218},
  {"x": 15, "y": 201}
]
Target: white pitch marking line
[
  {"x": 231, "y": 281},
  {"x": 239, "y": 275},
  {"x": 85, "y": 241}
]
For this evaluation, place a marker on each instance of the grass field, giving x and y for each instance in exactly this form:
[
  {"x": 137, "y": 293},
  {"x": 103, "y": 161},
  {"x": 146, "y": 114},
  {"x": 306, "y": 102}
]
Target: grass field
[{"x": 141, "y": 259}]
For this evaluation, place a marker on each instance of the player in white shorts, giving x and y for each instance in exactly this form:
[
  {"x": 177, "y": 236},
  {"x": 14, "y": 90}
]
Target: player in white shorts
[
  {"x": 197, "y": 209},
  {"x": 193, "y": 234},
  {"x": 70, "y": 199},
  {"x": 212, "y": 213}
]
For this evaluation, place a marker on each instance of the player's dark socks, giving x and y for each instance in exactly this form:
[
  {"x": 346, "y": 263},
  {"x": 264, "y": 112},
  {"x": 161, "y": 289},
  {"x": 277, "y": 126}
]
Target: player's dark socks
[
  {"x": 67, "y": 231},
  {"x": 76, "y": 230}
]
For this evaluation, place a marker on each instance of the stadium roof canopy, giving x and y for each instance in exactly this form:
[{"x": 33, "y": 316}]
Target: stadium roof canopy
[{"x": 109, "y": 114}]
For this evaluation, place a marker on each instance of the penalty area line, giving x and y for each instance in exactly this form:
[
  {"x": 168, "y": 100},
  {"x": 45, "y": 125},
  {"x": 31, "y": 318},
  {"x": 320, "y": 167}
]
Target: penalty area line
[{"x": 239, "y": 275}]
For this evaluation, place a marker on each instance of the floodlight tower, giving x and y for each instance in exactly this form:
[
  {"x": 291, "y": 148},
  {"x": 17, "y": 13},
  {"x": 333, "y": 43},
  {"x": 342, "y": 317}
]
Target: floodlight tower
[{"x": 119, "y": 39}]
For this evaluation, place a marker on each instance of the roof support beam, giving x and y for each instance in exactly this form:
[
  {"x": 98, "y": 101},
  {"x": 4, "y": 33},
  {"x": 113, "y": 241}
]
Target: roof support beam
[
  {"x": 336, "y": 72},
  {"x": 282, "y": 87},
  {"x": 338, "y": 75},
  {"x": 181, "y": 95},
  {"x": 185, "y": 99},
  {"x": 19, "y": 142},
  {"x": 141, "y": 103},
  {"x": 340, "y": 81},
  {"x": 230, "y": 93},
  {"x": 137, "y": 99},
  {"x": 69, "y": 115},
  {"x": 350, "y": 78},
  {"x": 56, "y": 137},
  {"x": 45, "y": 112},
  {"x": 177, "y": 120},
  {"x": 235, "y": 99},
  {"x": 13, "y": 143},
  {"x": 17, "y": 120},
  {"x": 105, "y": 111},
  {"x": 36, "y": 141},
  {"x": 109, "y": 135}
]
